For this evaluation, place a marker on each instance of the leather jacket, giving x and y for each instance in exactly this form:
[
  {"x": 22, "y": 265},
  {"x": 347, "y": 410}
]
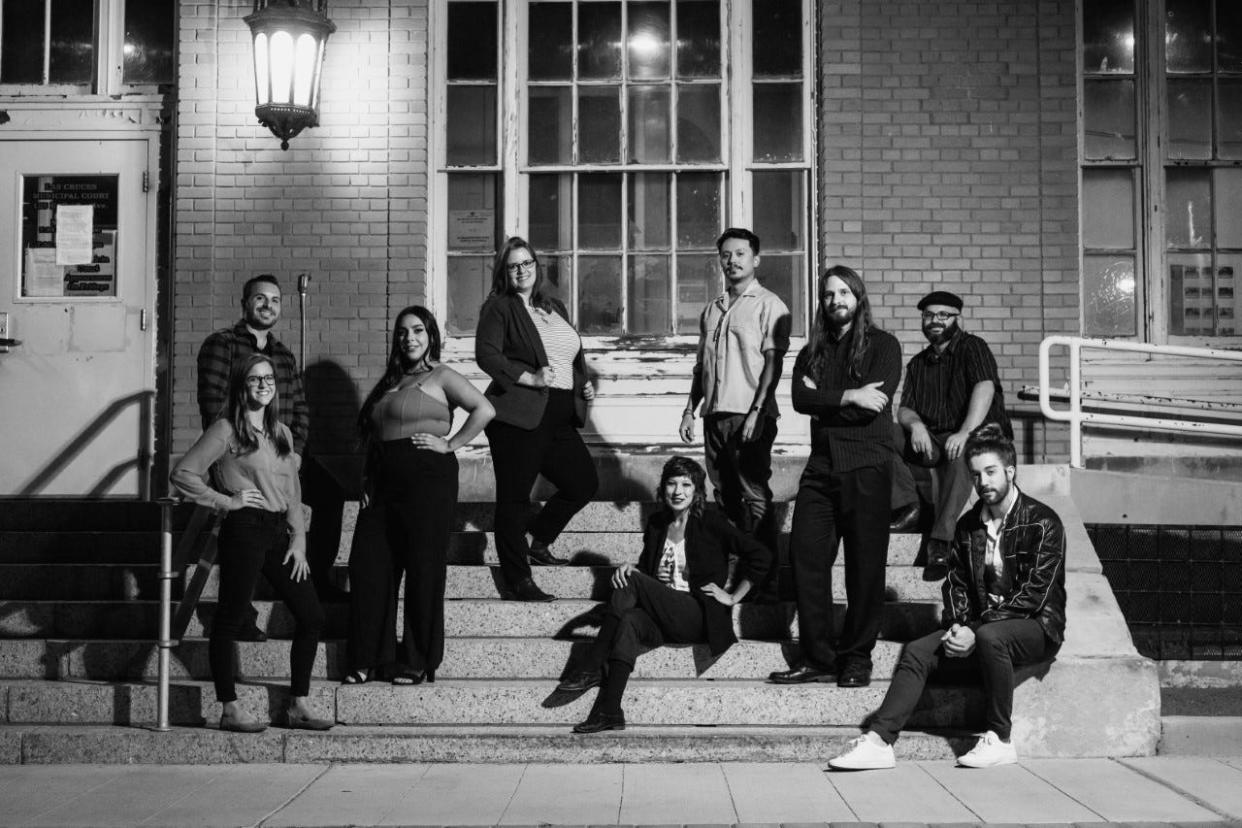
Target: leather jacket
[{"x": 1032, "y": 541}]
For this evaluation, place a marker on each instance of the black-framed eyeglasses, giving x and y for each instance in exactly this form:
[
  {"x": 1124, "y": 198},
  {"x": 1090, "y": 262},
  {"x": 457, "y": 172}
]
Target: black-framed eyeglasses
[
  {"x": 517, "y": 267},
  {"x": 939, "y": 316},
  {"x": 255, "y": 382}
]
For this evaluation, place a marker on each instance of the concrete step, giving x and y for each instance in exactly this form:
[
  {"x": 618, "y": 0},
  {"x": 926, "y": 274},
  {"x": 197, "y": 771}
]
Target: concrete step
[
  {"x": 44, "y": 514},
  {"x": 86, "y": 744},
  {"x": 78, "y": 581},
  {"x": 55, "y": 546}
]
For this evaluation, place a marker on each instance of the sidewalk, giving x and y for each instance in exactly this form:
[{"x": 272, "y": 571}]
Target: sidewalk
[{"x": 1171, "y": 790}]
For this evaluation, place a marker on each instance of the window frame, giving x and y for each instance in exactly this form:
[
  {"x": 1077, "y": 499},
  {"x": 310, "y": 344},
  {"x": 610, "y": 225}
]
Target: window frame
[{"x": 737, "y": 163}]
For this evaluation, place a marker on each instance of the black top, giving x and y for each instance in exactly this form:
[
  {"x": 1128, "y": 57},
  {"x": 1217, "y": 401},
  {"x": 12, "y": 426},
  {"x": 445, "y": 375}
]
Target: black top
[
  {"x": 710, "y": 542},
  {"x": 849, "y": 436},
  {"x": 938, "y": 385}
]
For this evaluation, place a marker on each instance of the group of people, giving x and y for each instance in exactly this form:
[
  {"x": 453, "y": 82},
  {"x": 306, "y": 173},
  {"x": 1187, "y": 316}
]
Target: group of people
[{"x": 1004, "y": 559}]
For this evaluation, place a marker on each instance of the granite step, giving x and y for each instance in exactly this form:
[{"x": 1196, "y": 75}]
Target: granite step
[
  {"x": 65, "y": 744},
  {"x": 86, "y": 547}
]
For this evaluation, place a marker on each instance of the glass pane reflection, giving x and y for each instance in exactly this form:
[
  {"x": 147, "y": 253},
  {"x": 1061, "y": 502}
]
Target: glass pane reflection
[
  {"x": 1229, "y": 36},
  {"x": 698, "y": 122},
  {"x": 779, "y": 210},
  {"x": 1188, "y": 208},
  {"x": 1108, "y": 209},
  {"x": 1229, "y": 119},
  {"x": 1227, "y": 182},
  {"x": 698, "y": 38},
  {"x": 474, "y": 223},
  {"x": 782, "y": 274},
  {"x": 698, "y": 210},
  {"x": 777, "y": 44},
  {"x": 471, "y": 133},
  {"x": 599, "y": 295},
  {"x": 649, "y": 121},
  {"x": 599, "y": 124},
  {"x": 1190, "y": 118},
  {"x": 471, "y": 41},
  {"x": 649, "y": 211},
  {"x": 1187, "y": 35},
  {"x": 1108, "y": 36},
  {"x": 469, "y": 281},
  {"x": 72, "y": 53},
  {"x": 1109, "y": 308},
  {"x": 698, "y": 282},
  {"x": 21, "y": 50},
  {"x": 550, "y": 125},
  {"x": 778, "y": 121},
  {"x": 599, "y": 211},
  {"x": 551, "y": 50},
  {"x": 1190, "y": 294},
  {"x": 647, "y": 305},
  {"x": 149, "y": 39},
  {"x": 648, "y": 40},
  {"x": 1108, "y": 119},
  {"x": 551, "y": 216},
  {"x": 599, "y": 40}
]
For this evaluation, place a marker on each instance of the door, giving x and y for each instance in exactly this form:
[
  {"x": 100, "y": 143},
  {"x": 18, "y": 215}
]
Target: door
[{"x": 77, "y": 391}]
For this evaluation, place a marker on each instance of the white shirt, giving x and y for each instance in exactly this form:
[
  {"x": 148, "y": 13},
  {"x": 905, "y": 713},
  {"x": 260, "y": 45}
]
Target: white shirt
[{"x": 995, "y": 576}]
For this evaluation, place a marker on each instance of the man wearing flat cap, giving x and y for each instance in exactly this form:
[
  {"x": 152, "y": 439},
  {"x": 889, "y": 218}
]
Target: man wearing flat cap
[{"x": 952, "y": 387}]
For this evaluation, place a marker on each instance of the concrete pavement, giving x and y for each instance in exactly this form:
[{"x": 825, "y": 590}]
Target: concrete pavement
[{"x": 1170, "y": 790}]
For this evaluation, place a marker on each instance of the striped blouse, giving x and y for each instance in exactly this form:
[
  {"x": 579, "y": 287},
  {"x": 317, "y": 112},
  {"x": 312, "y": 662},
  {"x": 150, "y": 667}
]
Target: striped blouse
[{"x": 561, "y": 343}]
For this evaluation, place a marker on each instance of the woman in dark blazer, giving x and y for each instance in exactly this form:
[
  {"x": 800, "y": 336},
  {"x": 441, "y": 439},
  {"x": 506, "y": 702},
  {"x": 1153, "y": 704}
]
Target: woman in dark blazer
[
  {"x": 678, "y": 593},
  {"x": 540, "y": 391}
]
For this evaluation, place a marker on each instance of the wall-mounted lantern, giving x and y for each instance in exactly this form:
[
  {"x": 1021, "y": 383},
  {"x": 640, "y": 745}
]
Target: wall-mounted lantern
[{"x": 289, "y": 37}]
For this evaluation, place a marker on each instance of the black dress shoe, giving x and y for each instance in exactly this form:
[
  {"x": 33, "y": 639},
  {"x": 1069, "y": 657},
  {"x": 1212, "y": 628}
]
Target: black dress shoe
[
  {"x": 598, "y": 722},
  {"x": 854, "y": 675},
  {"x": 527, "y": 591},
  {"x": 800, "y": 675},
  {"x": 906, "y": 519},
  {"x": 937, "y": 567},
  {"x": 252, "y": 634},
  {"x": 581, "y": 682},
  {"x": 540, "y": 556}
]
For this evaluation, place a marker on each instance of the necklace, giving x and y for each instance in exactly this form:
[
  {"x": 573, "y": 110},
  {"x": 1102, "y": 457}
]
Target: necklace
[{"x": 421, "y": 368}]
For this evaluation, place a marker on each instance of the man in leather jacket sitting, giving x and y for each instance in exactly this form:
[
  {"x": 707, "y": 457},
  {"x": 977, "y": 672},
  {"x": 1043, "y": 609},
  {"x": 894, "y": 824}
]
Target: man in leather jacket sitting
[{"x": 1004, "y": 607}]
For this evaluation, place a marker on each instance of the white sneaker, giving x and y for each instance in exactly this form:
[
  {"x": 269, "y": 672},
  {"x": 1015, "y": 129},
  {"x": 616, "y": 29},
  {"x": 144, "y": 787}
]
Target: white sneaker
[
  {"x": 989, "y": 752},
  {"x": 865, "y": 754}
]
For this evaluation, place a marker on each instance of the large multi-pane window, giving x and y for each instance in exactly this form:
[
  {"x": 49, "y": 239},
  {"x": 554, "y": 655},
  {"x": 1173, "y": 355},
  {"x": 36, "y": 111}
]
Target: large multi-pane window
[
  {"x": 1162, "y": 172},
  {"x": 620, "y": 137}
]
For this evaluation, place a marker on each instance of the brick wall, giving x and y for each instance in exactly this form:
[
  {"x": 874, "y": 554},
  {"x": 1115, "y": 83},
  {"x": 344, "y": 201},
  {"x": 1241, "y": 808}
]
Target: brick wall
[
  {"x": 947, "y": 157},
  {"x": 347, "y": 203}
]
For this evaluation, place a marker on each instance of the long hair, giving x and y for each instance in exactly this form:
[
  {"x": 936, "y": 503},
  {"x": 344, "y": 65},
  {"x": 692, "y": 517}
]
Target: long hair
[
  {"x": 395, "y": 369},
  {"x": 860, "y": 330},
  {"x": 990, "y": 439},
  {"x": 681, "y": 466},
  {"x": 247, "y": 437},
  {"x": 500, "y": 273}
]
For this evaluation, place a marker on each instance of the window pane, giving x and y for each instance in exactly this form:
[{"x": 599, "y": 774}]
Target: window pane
[
  {"x": 782, "y": 275},
  {"x": 778, "y": 121},
  {"x": 471, "y": 133},
  {"x": 21, "y": 52},
  {"x": 1190, "y": 118},
  {"x": 1108, "y": 210},
  {"x": 551, "y": 39},
  {"x": 1188, "y": 35},
  {"x": 472, "y": 41},
  {"x": 73, "y": 42},
  {"x": 551, "y": 214},
  {"x": 599, "y": 212},
  {"x": 649, "y": 211},
  {"x": 558, "y": 280},
  {"x": 1108, "y": 119},
  {"x": 647, "y": 310},
  {"x": 473, "y": 221},
  {"x": 698, "y": 282},
  {"x": 649, "y": 119},
  {"x": 599, "y": 40},
  {"x": 649, "y": 40},
  {"x": 551, "y": 130},
  {"x": 698, "y": 210},
  {"x": 469, "y": 281},
  {"x": 599, "y": 294},
  {"x": 698, "y": 122},
  {"x": 149, "y": 40},
  {"x": 1228, "y": 181},
  {"x": 777, "y": 43},
  {"x": 698, "y": 38},
  {"x": 780, "y": 208},
  {"x": 1188, "y": 212},
  {"x": 1108, "y": 35},
  {"x": 1229, "y": 35},
  {"x": 599, "y": 124},
  {"x": 1190, "y": 295},
  {"x": 1228, "y": 295},
  {"x": 1229, "y": 119},
  {"x": 1108, "y": 296}
]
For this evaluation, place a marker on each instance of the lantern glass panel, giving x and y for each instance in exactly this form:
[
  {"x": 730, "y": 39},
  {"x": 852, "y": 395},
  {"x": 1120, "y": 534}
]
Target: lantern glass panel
[
  {"x": 304, "y": 71},
  {"x": 262, "y": 88},
  {"x": 282, "y": 67}
]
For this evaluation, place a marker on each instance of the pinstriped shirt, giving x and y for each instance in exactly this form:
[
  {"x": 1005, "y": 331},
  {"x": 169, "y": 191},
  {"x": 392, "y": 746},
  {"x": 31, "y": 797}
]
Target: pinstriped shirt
[{"x": 938, "y": 385}]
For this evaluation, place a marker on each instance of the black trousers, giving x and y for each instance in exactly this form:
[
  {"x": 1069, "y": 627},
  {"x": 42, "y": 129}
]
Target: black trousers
[
  {"x": 740, "y": 472},
  {"x": 833, "y": 508},
  {"x": 554, "y": 449},
  {"x": 254, "y": 541},
  {"x": 326, "y": 498},
  {"x": 404, "y": 533},
  {"x": 999, "y": 647}
]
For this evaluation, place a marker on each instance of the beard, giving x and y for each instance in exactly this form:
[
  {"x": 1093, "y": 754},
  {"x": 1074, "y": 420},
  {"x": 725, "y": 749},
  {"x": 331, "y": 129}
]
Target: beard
[
  {"x": 938, "y": 334},
  {"x": 839, "y": 316},
  {"x": 992, "y": 496}
]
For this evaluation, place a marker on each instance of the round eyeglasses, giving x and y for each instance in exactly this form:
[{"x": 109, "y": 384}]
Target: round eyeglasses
[
  {"x": 255, "y": 382},
  {"x": 517, "y": 267},
  {"x": 940, "y": 316}
]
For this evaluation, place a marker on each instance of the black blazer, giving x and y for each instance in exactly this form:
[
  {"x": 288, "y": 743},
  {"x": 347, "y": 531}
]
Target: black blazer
[
  {"x": 506, "y": 344},
  {"x": 710, "y": 540}
]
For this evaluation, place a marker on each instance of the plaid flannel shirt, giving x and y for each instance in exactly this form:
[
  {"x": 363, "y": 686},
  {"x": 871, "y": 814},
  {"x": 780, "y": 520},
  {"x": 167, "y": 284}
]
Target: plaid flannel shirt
[{"x": 215, "y": 360}]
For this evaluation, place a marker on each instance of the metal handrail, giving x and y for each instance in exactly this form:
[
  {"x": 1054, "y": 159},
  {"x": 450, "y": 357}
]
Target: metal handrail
[
  {"x": 165, "y": 643},
  {"x": 1076, "y": 416}
]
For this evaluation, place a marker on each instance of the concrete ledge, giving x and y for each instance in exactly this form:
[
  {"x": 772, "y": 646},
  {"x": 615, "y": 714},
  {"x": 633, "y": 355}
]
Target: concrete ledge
[{"x": 1201, "y": 736}]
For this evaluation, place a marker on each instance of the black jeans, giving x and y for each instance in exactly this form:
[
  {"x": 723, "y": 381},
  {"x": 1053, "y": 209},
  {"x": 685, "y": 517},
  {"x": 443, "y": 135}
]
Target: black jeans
[
  {"x": 554, "y": 449},
  {"x": 740, "y": 472},
  {"x": 405, "y": 532},
  {"x": 999, "y": 647},
  {"x": 254, "y": 541},
  {"x": 833, "y": 508}
]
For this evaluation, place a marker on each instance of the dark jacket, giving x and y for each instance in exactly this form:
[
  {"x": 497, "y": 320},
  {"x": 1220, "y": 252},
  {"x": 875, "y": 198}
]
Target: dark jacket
[
  {"x": 506, "y": 344},
  {"x": 710, "y": 541},
  {"x": 1032, "y": 541}
]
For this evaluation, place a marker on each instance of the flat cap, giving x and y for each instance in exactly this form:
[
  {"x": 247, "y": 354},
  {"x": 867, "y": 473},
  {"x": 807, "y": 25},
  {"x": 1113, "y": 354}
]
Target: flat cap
[{"x": 941, "y": 297}]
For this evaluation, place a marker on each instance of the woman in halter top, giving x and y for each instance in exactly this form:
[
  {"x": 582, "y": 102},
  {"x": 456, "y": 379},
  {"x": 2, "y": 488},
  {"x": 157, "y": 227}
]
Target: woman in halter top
[{"x": 409, "y": 496}]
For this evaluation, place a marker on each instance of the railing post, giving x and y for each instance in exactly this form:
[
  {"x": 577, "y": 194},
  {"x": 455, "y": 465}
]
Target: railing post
[
  {"x": 165, "y": 643},
  {"x": 1075, "y": 389}
]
